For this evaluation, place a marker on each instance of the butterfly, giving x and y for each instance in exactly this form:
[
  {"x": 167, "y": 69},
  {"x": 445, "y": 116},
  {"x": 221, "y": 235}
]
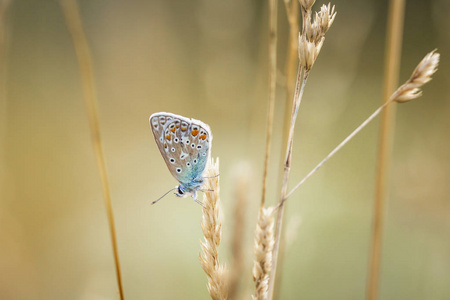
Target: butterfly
[{"x": 185, "y": 145}]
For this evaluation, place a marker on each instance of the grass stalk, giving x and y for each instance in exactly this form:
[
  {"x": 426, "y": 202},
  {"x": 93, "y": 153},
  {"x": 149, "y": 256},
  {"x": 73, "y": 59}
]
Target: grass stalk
[
  {"x": 4, "y": 5},
  {"x": 75, "y": 27},
  {"x": 273, "y": 12},
  {"x": 300, "y": 87},
  {"x": 410, "y": 90},
  {"x": 212, "y": 231},
  {"x": 338, "y": 147},
  {"x": 309, "y": 45},
  {"x": 242, "y": 185},
  {"x": 293, "y": 16},
  {"x": 392, "y": 66}
]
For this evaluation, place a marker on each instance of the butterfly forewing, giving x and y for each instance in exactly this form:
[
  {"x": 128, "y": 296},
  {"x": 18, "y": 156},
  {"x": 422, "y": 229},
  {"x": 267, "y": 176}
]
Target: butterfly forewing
[{"x": 184, "y": 144}]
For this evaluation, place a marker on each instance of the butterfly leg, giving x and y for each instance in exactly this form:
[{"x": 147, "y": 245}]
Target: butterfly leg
[{"x": 194, "y": 196}]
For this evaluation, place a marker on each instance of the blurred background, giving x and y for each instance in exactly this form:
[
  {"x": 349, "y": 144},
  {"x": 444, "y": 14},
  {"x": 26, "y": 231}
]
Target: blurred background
[{"x": 209, "y": 60}]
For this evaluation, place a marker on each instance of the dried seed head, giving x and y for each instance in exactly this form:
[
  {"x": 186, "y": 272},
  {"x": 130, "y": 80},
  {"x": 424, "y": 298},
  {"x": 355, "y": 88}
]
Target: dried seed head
[
  {"x": 313, "y": 31},
  {"x": 422, "y": 74},
  {"x": 322, "y": 21},
  {"x": 308, "y": 51},
  {"x": 325, "y": 17},
  {"x": 264, "y": 242},
  {"x": 306, "y": 4}
]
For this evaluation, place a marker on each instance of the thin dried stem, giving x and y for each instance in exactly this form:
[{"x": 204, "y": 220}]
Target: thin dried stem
[
  {"x": 212, "y": 231},
  {"x": 264, "y": 241},
  {"x": 273, "y": 12},
  {"x": 300, "y": 87},
  {"x": 237, "y": 242},
  {"x": 421, "y": 75},
  {"x": 338, "y": 147},
  {"x": 309, "y": 45},
  {"x": 392, "y": 66},
  {"x": 292, "y": 11},
  {"x": 73, "y": 20},
  {"x": 4, "y": 5}
]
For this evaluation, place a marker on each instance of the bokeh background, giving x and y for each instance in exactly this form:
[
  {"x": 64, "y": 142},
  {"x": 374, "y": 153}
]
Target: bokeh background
[{"x": 209, "y": 60}]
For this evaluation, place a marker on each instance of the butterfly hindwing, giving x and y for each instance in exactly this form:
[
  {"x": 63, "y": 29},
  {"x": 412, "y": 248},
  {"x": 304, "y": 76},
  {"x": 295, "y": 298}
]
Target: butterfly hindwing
[{"x": 184, "y": 144}]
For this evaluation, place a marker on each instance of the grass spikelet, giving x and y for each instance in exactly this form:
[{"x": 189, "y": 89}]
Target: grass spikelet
[
  {"x": 264, "y": 242},
  {"x": 212, "y": 231},
  {"x": 422, "y": 74}
]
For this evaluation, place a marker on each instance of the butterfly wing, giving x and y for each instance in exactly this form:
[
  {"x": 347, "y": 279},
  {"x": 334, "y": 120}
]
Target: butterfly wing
[{"x": 184, "y": 144}]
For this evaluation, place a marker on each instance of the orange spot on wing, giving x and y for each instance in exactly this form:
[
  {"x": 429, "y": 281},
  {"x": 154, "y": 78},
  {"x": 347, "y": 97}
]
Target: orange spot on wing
[
  {"x": 203, "y": 137},
  {"x": 173, "y": 130},
  {"x": 168, "y": 137},
  {"x": 194, "y": 132}
]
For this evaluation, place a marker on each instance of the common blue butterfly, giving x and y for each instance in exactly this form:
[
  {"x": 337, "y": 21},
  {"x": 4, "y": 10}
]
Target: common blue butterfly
[{"x": 185, "y": 145}]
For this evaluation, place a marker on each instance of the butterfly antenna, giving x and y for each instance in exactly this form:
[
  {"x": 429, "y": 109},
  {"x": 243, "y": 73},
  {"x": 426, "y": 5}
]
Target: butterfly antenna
[{"x": 163, "y": 195}]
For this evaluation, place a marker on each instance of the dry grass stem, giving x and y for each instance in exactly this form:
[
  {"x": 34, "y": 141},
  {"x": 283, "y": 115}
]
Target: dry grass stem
[
  {"x": 394, "y": 38},
  {"x": 264, "y": 242},
  {"x": 237, "y": 242},
  {"x": 4, "y": 4},
  {"x": 73, "y": 20},
  {"x": 427, "y": 67},
  {"x": 308, "y": 51},
  {"x": 273, "y": 12},
  {"x": 287, "y": 167},
  {"x": 212, "y": 231},
  {"x": 292, "y": 9}
]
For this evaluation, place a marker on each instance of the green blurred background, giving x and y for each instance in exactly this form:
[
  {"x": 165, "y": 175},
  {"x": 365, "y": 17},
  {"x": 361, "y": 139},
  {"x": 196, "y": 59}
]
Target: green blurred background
[{"x": 208, "y": 60}]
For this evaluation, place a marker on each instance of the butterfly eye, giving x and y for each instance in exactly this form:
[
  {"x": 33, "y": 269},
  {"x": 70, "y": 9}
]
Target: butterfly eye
[
  {"x": 173, "y": 149},
  {"x": 178, "y": 170},
  {"x": 172, "y": 160}
]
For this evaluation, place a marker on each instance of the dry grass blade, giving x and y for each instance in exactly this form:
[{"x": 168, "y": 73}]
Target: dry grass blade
[
  {"x": 73, "y": 20},
  {"x": 212, "y": 231},
  {"x": 264, "y": 242}
]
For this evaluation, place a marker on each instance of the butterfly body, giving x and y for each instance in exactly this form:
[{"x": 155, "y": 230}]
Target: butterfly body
[{"x": 185, "y": 145}]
